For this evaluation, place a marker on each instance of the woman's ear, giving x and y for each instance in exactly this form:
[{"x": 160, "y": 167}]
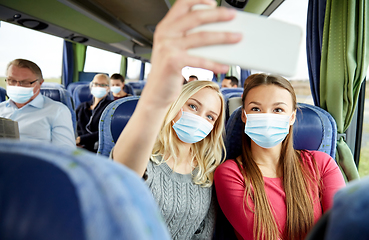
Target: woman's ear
[
  {"x": 293, "y": 117},
  {"x": 243, "y": 116}
]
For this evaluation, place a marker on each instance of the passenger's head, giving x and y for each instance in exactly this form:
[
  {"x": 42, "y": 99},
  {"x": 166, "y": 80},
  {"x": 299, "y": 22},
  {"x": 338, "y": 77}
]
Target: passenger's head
[
  {"x": 200, "y": 105},
  {"x": 100, "y": 86},
  {"x": 230, "y": 82},
  {"x": 24, "y": 78},
  {"x": 272, "y": 95},
  {"x": 116, "y": 83},
  {"x": 192, "y": 78}
]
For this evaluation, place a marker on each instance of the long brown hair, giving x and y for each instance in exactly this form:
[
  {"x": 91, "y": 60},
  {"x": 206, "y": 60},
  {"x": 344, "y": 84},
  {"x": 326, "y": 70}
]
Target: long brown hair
[{"x": 297, "y": 180}]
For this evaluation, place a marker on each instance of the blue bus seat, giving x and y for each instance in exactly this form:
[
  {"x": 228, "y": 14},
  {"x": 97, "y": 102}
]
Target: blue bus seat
[
  {"x": 137, "y": 86},
  {"x": 129, "y": 89},
  {"x": 88, "y": 76},
  {"x": 314, "y": 129},
  {"x": 113, "y": 120},
  {"x": 72, "y": 86},
  {"x": 52, "y": 85},
  {"x": 225, "y": 91},
  {"x": 48, "y": 192},
  {"x": 347, "y": 219},
  {"x": 227, "y": 98},
  {"x": 2, "y": 94},
  {"x": 61, "y": 95},
  {"x": 82, "y": 94}
]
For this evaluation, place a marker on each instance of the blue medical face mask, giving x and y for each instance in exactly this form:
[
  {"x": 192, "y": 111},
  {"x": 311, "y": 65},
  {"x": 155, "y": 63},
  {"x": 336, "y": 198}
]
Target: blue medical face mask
[
  {"x": 115, "y": 89},
  {"x": 98, "y": 92},
  {"x": 19, "y": 94},
  {"x": 191, "y": 128},
  {"x": 267, "y": 129}
]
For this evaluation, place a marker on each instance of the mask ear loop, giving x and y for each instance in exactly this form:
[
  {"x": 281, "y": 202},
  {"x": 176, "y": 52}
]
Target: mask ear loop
[{"x": 179, "y": 117}]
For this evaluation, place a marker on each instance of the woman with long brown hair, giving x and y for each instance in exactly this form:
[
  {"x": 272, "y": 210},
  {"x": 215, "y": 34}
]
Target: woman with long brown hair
[{"x": 273, "y": 191}]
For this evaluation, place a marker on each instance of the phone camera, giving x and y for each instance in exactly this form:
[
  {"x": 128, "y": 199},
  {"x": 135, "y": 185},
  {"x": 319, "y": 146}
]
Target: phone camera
[{"x": 238, "y": 4}]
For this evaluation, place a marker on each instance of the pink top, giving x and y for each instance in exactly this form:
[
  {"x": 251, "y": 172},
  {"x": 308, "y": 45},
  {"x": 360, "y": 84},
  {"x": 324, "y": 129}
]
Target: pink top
[{"x": 229, "y": 184}]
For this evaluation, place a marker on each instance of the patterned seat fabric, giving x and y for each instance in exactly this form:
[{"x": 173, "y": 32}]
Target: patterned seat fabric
[
  {"x": 112, "y": 122},
  {"x": 53, "y": 193}
]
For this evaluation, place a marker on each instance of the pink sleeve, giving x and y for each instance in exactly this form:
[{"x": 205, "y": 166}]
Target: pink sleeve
[
  {"x": 229, "y": 185},
  {"x": 331, "y": 176}
]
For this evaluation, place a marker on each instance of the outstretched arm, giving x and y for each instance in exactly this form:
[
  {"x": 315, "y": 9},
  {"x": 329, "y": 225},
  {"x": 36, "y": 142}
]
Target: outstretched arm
[{"x": 169, "y": 56}]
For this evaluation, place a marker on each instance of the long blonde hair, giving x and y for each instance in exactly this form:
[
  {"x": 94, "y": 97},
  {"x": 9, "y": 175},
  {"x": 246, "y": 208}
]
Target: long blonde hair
[
  {"x": 298, "y": 182},
  {"x": 207, "y": 152}
]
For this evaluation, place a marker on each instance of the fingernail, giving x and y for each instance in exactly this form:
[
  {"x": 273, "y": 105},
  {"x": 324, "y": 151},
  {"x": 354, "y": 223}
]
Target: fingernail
[
  {"x": 231, "y": 11},
  {"x": 236, "y": 36}
]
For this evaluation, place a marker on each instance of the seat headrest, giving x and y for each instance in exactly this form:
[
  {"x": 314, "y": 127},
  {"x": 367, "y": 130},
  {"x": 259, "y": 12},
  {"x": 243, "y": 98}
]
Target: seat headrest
[
  {"x": 52, "y": 85},
  {"x": 2, "y": 94},
  {"x": 121, "y": 117},
  {"x": 82, "y": 93},
  {"x": 72, "y": 86},
  {"x": 53, "y": 93},
  {"x": 231, "y": 90},
  {"x": 40, "y": 203},
  {"x": 314, "y": 129},
  {"x": 129, "y": 89}
]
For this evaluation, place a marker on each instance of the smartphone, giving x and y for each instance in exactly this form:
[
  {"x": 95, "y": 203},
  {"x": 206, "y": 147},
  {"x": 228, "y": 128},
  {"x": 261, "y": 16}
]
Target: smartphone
[{"x": 267, "y": 45}]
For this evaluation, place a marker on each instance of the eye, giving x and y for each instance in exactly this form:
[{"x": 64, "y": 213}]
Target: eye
[
  {"x": 193, "y": 107},
  {"x": 255, "y": 109},
  {"x": 210, "y": 117},
  {"x": 278, "y": 110}
]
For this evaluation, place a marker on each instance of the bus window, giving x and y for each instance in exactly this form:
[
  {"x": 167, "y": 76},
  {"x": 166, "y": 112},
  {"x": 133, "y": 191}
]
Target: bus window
[
  {"x": 134, "y": 69},
  {"x": 147, "y": 70},
  {"x": 202, "y": 74},
  {"x": 20, "y": 42},
  {"x": 98, "y": 60}
]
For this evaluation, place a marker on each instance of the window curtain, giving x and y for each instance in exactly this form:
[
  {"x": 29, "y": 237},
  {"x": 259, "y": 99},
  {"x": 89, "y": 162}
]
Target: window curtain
[
  {"x": 68, "y": 63},
  {"x": 344, "y": 61},
  {"x": 123, "y": 66},
  {"x": 79, "y": 59},
  {"x": 314, "y": 36}
]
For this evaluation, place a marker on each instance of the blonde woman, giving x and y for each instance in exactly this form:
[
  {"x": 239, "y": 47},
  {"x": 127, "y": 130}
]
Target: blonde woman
[
  {"x": 183, "y": 160},
  {"x": 273, "y": 191},
  {"x": 179, "y": 148}
]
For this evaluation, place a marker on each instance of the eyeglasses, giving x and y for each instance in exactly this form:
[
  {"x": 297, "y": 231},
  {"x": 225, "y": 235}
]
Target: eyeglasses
[
  {"x": 99, "y": 85},
  {"x": 12, "y": 82}
]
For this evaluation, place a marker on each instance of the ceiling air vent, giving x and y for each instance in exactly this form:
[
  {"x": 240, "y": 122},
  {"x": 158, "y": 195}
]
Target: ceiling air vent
[
  {"x": 33, "y": 24},
  {"x": 79, "y": 39}
]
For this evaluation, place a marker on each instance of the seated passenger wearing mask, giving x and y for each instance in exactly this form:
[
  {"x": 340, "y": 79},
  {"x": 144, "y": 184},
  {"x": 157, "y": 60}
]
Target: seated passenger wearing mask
[
  {"x": 117, "y": 86},
  {"x": 39, "y": 117},
  {"x": 88, "y": 113}
]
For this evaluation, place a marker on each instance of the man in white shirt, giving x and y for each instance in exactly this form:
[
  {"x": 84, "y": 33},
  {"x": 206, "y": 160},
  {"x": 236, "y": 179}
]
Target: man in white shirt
[{"x": 39, "y": 118}]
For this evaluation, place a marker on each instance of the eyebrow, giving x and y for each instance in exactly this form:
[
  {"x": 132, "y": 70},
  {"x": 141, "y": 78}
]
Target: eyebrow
[
  {"x": 201, "y": 105},
  {"x": 274, "y": 104}
]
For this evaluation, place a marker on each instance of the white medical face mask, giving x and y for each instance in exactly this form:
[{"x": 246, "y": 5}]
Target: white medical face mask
[
  {"x": 19, "y": 94},
  {"x": 191, "y": 128},
  {"x": 115, "y": 89},
  {"x": 98, "y": 92},
  {"x": 267, "y": 129}
]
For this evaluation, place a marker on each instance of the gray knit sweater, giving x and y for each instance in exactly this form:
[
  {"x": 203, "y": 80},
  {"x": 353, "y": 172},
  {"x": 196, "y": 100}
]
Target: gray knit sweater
[{"x": 187, "y": 208}]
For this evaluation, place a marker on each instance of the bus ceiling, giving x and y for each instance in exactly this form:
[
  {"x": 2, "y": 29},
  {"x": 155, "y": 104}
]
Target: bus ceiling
[{"x": 123, "y": 27}]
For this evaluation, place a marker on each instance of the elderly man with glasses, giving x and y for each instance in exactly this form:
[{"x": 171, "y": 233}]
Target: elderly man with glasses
[
  {"x": 39, "y": 117},
  {"x": 88, "y": 113}
]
